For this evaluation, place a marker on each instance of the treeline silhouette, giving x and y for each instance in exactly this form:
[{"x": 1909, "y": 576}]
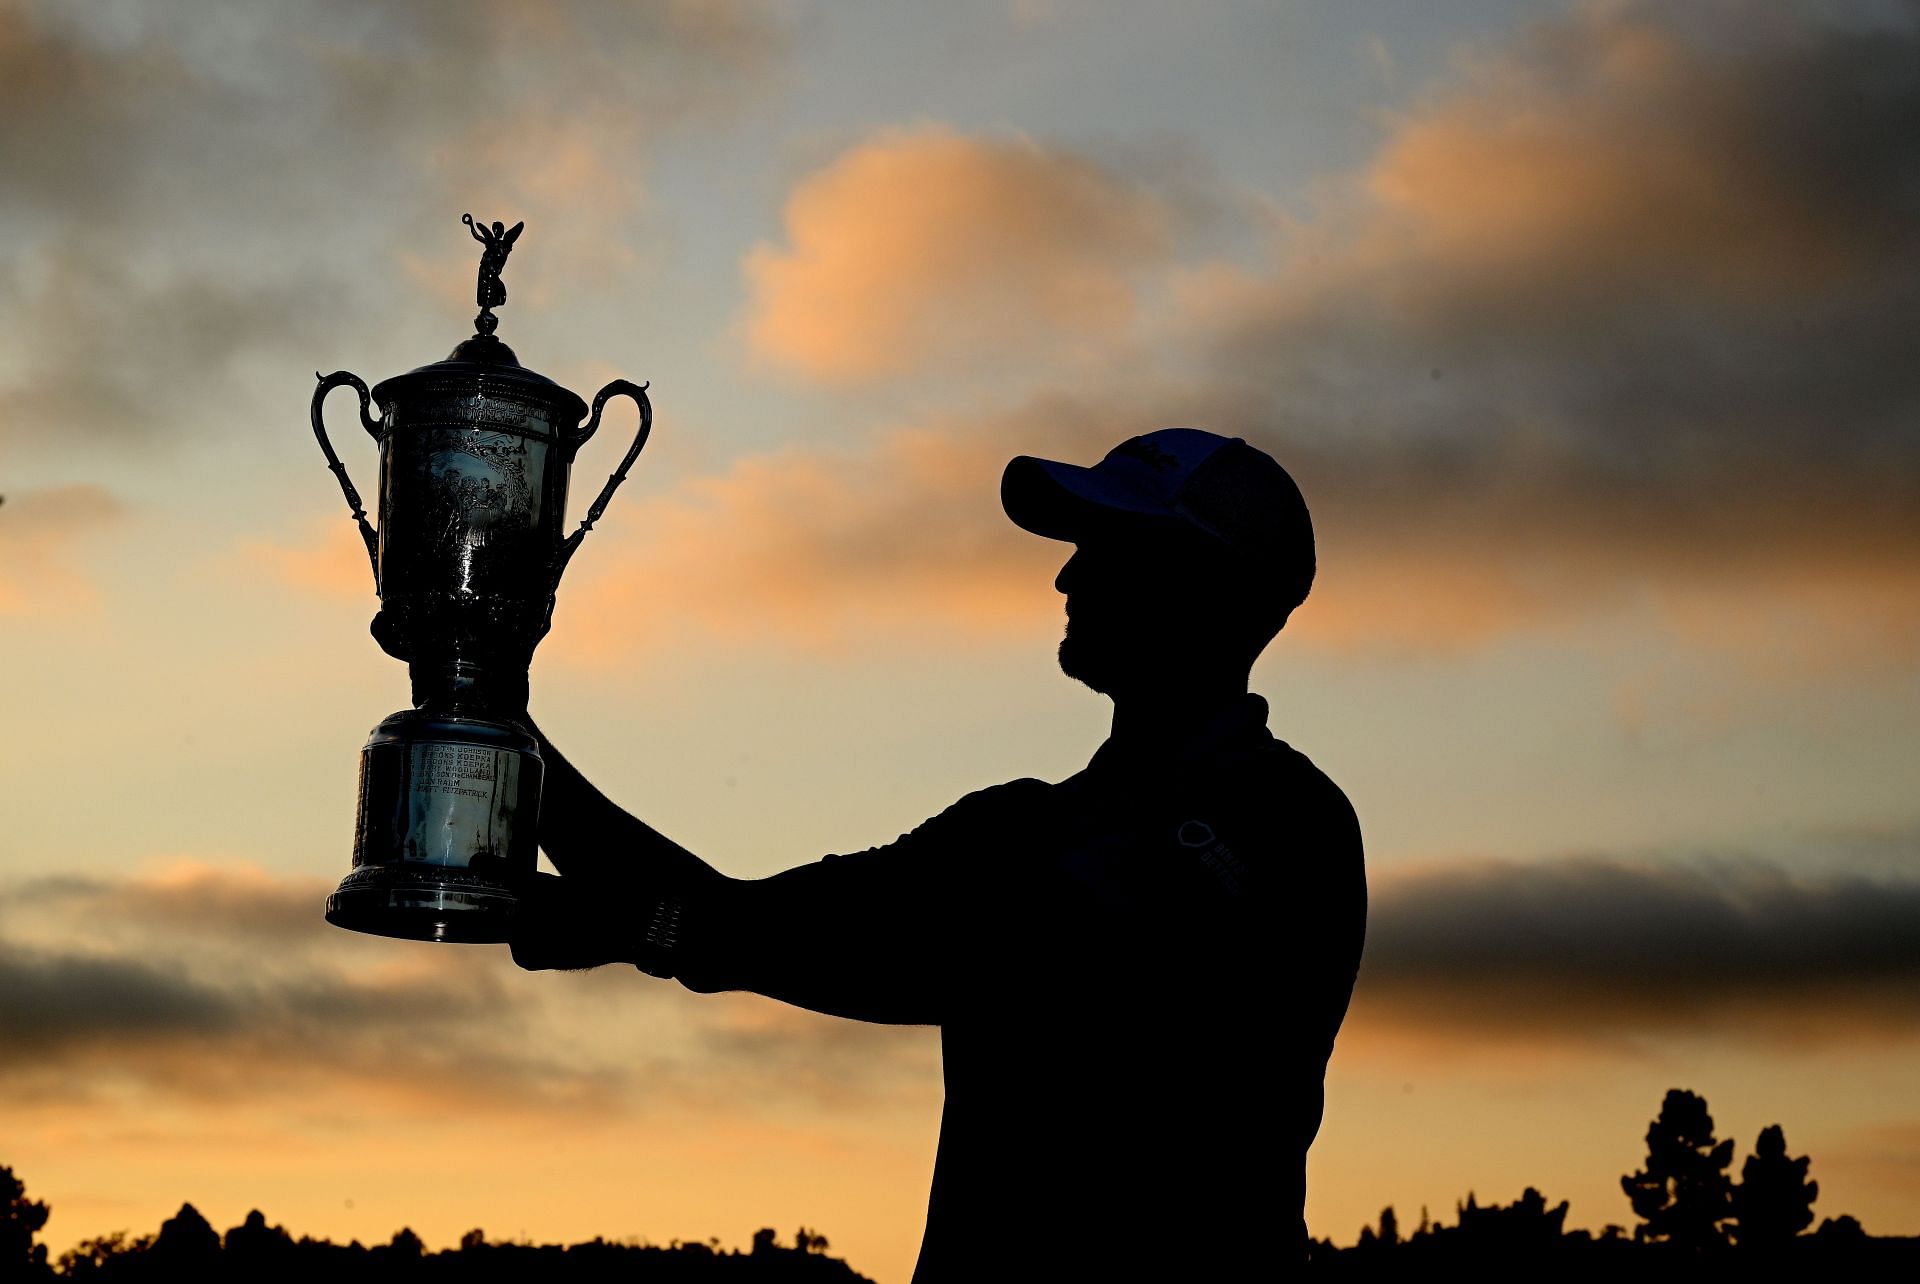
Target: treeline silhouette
[
  {"x": 188, "y": 1250},
  {"x": 1691, "y": 1214}
]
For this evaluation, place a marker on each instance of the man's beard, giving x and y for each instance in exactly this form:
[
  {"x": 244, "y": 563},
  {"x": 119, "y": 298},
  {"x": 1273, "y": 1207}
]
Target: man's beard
[{"x": 1085, "y": 661}]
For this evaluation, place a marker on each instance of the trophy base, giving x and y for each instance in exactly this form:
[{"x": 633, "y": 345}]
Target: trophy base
[
  {"x": 445, "y": 829},
  {"x": 423, "y": 905}
]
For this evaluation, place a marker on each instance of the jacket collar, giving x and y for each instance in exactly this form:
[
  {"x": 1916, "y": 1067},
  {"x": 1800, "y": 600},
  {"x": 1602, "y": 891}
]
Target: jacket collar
[{"x": 1239, "y": 727}]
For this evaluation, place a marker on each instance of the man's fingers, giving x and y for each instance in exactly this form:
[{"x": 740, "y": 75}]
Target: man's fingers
[
  {"x": 539, "y": 925},
  {"x": 559, "y": 923}
]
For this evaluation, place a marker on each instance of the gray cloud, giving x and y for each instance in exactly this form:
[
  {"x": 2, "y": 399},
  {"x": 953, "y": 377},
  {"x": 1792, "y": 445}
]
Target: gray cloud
[
  {"x": 1671, "y": 250},
  {"x": 200, "y": 980},
  {"x": 72, "y": 1006},
  {"x": 196, "y": 191},
  {"x": 54, "y": 1001},
  {"x": 1601, "y": 948},
  {"x": 112, "y": 360},
  {"x": 49, "y": 1002},
  {"x": 205, "y": 980}
]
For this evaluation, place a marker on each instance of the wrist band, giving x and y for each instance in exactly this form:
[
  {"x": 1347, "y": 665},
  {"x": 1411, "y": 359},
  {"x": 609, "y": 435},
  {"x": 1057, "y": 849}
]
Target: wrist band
[{"x": 659, "y": 938}]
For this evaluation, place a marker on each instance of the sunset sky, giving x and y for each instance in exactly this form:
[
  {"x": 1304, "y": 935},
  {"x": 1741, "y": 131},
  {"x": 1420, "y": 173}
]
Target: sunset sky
[{"x": 1587, "y": 329}]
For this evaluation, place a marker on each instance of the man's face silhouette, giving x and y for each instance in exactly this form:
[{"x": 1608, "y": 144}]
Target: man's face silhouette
[{"x": 1143, "y": 609}]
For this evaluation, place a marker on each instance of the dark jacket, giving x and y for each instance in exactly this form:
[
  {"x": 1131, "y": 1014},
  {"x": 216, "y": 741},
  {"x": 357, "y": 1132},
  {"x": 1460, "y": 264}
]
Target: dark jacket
[{"x": 1138, "y": 974}]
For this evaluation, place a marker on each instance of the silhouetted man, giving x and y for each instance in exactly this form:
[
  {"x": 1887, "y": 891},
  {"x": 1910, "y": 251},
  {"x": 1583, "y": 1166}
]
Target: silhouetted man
[{"x": 1137, "y": 972}]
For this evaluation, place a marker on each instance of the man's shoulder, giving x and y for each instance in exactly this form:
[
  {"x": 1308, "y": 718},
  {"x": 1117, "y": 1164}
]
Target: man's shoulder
[{"x": 1273, "y": 778}]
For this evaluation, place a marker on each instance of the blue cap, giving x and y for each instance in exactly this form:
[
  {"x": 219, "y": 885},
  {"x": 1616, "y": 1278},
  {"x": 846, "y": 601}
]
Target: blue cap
[{"x": 1175, "y": 477}]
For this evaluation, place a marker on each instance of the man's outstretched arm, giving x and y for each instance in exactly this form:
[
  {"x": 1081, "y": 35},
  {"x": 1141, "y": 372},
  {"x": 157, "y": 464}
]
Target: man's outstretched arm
[{"x": 865, "y": 936}]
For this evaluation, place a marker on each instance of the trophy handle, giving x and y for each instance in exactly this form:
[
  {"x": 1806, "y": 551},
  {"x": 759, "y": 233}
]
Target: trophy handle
[
  {"x": 327, "y": 384},
  {"x": 618, "y": 388}
]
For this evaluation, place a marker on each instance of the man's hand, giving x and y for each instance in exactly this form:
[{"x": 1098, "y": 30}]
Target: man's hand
[
  {"x": 574, "y": 923},
  {"x": 587, "y": 836},
  {"x": 623, "y": 884}
]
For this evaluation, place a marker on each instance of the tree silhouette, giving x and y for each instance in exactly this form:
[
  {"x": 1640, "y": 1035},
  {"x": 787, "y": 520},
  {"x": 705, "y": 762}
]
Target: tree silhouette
[
  {"x": 406, "y": 1246},
  {"x": 256, "y": 1250},
  {"x": 94, "y": 1259},
  {"x": 1846, "y": 1227},
  {"x": 188, "y": 1250},
  {"x": 1774, "y": 1200},
  {"x": 1525, "y": 1239},
  {"x": 1683, "y": 1193},
  {"x": 20, "y": 1220},
  {"x": 1525, "y": 1224},
  {"x": 187, "y": 1246}
]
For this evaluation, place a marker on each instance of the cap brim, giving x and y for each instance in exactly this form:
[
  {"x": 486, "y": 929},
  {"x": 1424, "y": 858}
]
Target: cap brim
[{"x": 1068, "y": 502}]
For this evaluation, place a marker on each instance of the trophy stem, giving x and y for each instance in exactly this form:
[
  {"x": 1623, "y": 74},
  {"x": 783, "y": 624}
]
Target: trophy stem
[{"x": 461, "y": 685}]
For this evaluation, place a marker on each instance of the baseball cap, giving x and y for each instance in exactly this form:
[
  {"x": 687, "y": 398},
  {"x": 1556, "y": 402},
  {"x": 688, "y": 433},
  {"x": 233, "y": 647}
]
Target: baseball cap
[{"x": 1176, "y": 477}]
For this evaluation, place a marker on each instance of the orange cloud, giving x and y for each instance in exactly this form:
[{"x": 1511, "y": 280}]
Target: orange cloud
[
  {"x": 808, "y": 548},
  {"x": 923, "y": 247},
  {"x": 39, "y": 531},
  {"x": 1598, "y": 336},
  {"x": 328, "y": 559},
  {"x": 1629, "y": 168},
  {"x": 1620, "y": 223},
  {"x": 1613, "y": 153},
  {"x": 1789, "y": 585}
]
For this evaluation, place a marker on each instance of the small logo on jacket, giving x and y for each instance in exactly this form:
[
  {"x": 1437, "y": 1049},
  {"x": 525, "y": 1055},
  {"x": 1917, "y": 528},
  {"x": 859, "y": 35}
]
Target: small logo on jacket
[{"x": 1197, "y": 836}]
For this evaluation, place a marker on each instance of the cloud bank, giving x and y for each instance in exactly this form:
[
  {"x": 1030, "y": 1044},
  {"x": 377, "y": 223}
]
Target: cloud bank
[
  {"x": 197, "y": 981},
  {"x": 1597, "y": 950},
  {"x": 200, "y": 980}
]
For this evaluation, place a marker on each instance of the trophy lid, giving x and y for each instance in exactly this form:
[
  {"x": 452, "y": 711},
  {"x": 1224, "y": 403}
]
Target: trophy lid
[{"x": 482, "y": 366}]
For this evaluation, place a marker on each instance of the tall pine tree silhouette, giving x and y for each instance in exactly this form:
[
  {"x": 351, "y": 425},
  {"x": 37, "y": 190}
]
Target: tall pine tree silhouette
[
  {"x": 1774, "y": 1200},
  {"x": 1683, "y": 1194}
]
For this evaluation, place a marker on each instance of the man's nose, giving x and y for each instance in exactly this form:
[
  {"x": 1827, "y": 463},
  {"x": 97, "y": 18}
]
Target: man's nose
[{"x": 1069, "y": 574}]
